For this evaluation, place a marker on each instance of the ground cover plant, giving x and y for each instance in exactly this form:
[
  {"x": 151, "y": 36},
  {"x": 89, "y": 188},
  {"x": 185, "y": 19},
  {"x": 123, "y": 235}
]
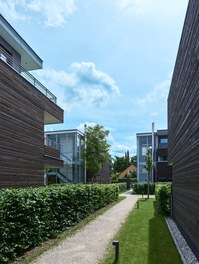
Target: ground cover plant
[
  {"x": 32, "y": 215},
  {"x": 144, "y": 238}
]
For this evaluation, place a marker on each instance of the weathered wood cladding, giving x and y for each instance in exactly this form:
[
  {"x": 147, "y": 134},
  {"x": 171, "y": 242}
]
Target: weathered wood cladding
[
  {"x": 53, "y": 163},
  {"x": 163, "y": 171},
  {"x": 183, "y": 129},
  {"x": 21, "y": 130},
  {"x": 51, "y": 152}
]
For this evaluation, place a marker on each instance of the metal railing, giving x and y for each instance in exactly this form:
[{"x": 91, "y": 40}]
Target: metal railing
[{"x": 14, "y": 64}]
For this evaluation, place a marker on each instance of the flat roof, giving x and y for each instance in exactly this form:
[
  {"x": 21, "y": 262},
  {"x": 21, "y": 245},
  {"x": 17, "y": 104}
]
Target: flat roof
[
  {"x": 66, "y": 131},
  {"x": 158, "y": 132},
  {"x": 29, "y": 59}
]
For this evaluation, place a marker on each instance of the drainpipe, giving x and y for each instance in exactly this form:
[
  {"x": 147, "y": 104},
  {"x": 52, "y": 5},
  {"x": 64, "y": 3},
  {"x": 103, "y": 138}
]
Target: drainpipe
[
  {"x": 152, "y": 154},
  {"x": 85, "y": 126}
]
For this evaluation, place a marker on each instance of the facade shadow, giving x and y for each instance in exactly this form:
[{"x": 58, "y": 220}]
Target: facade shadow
[{"x": 159, "y": 239}]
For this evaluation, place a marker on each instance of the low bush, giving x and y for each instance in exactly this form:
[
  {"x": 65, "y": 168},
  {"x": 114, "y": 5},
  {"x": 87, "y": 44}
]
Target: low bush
[
  {"x": 30, "y": 216},
  {"x": 122, "y": 186},
  {"x": 139, "y": 188},
  {"x": 163, "y": 194}
]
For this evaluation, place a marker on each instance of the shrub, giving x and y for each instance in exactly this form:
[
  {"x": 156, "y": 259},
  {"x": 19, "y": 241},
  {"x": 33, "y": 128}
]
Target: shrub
[
  {"x": 163, "y": 193},
  {"x": 30, "y": 216},
  {"x": 122, "y": 186},
  {"x": 139, "y": 188}
]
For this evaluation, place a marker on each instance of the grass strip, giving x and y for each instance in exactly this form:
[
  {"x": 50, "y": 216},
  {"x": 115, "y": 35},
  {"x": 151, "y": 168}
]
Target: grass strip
[
  {"x": 144, "y": 238},
  {"x": 33, "y": 254}
]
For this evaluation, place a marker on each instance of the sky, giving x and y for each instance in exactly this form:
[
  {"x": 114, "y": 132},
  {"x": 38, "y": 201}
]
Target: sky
[{"x": 108, "y": 62}]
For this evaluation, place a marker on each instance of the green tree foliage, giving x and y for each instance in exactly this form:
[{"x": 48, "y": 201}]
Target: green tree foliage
[
  {"x": 133, "y": 160},
  {"x": 126, "y": 155},
  {"x": 96, "y": 153},
  {"x": 121, "y": 163},
  {"x": 148, "y": 166}
]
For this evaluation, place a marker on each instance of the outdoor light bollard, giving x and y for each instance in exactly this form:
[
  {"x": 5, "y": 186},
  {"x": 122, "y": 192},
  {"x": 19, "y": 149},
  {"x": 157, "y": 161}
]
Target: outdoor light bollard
[
  {"x": 137, "y": 204},
  {"x": 116, "y": 244}
]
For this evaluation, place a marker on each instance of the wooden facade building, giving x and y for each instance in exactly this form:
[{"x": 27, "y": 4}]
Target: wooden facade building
[
  {"x": 183, "y": 129},
  {"x": 25, "y": 107}
]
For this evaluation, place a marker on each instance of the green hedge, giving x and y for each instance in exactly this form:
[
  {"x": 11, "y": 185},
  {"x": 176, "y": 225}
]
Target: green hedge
[
  {"x": 139, "y": 188},
  {"x": 163, "y": 194},
  {"x": 30, "y": 216},
  {"x": 122, "y": 186}
]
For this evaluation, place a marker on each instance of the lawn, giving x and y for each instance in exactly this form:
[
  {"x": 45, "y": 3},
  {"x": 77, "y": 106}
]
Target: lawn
[{"x": 144, "y": 238}]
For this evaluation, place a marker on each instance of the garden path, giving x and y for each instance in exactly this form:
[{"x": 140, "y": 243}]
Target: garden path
[{"x": 88, "y": 246}]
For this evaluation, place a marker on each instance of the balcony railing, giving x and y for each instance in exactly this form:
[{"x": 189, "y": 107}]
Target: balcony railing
[{"x": 8, "y": 59}]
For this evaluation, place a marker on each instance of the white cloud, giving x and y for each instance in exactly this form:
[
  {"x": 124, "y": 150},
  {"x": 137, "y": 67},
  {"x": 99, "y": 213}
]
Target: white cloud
[
  {"x": 136, "y": 6},
  {"x": 82, "y": 128},
  {"x": 83, "y": 85},
  {"x": 54, "y": 12},
  {"x": 9, "y": 8},
  {"x": 158, "y": 94},
  {"x": 119, "y": 149},
  {"x": 87, "y": 72},
  {"x": 160, "y": 7}
]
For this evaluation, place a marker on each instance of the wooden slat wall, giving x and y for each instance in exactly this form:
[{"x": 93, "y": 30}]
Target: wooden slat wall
[
  {"x": 51, "y": 152},
  {"x": 53, "y": 163},
  {"x": 183, "y": 129},
  {"x": 21, "y": 130},
  {"x": 163, "y": 171}
]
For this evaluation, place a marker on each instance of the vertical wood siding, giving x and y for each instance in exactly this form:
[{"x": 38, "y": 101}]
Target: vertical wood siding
[{"x": 183, "y": 128}]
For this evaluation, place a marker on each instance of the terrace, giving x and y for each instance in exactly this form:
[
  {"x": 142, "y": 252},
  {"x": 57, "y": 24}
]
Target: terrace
[{"x": 14, "y": 64}]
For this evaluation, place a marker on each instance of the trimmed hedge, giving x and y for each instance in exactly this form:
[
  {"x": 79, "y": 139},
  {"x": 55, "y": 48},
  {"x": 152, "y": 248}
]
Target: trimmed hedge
[
  {"x": 139, "y": 188},
  {"x": 122, "y": 186},
  {"x": 163, "y": 194},
  {"x": 30, "y": 216}
]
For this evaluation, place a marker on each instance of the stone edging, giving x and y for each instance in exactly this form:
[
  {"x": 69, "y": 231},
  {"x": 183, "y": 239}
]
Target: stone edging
[{"x": 184, "y": 250}]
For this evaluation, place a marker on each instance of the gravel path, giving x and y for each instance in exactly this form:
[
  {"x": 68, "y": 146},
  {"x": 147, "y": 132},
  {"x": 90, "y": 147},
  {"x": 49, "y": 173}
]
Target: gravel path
[{"x": 89, "y": 245}]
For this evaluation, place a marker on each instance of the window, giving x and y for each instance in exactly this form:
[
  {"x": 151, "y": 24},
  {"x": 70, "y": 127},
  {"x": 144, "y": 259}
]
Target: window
[
  {"x": 144, "y": 151},
  {"x": 5, "y": 55},
  {"x": 163, "y": 140},
  {"x": 162, "y": 158}
]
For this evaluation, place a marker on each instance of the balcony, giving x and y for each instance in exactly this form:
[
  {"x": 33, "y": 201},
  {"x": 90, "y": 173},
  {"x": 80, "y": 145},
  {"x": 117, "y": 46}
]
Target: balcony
[
  {"x": 52, "y": 154},
  {"x": 15, "y": 65},
  {"x": 51, "y": 148}
]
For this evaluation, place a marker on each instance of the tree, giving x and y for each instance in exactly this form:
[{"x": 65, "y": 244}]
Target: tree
[
  {"x": 148, "y": 166},
  {"x": 121, "y": 163},
  {"x": 126, "y": 155},
  {"x": 96, "y": 152},
  {"x": 133, "y": 160}
]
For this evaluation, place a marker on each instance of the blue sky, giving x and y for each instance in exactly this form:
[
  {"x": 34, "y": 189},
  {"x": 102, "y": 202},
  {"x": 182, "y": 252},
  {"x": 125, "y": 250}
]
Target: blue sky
[{"x": 108, "y": 62}]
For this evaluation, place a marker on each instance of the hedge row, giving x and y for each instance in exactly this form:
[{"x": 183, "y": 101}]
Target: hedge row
[
  {"x": 122, "y": 186},
  {"x": 139, "y": 188},
  {"x": 30, "y": 216},
  {"x": 163, "y": 194}
]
